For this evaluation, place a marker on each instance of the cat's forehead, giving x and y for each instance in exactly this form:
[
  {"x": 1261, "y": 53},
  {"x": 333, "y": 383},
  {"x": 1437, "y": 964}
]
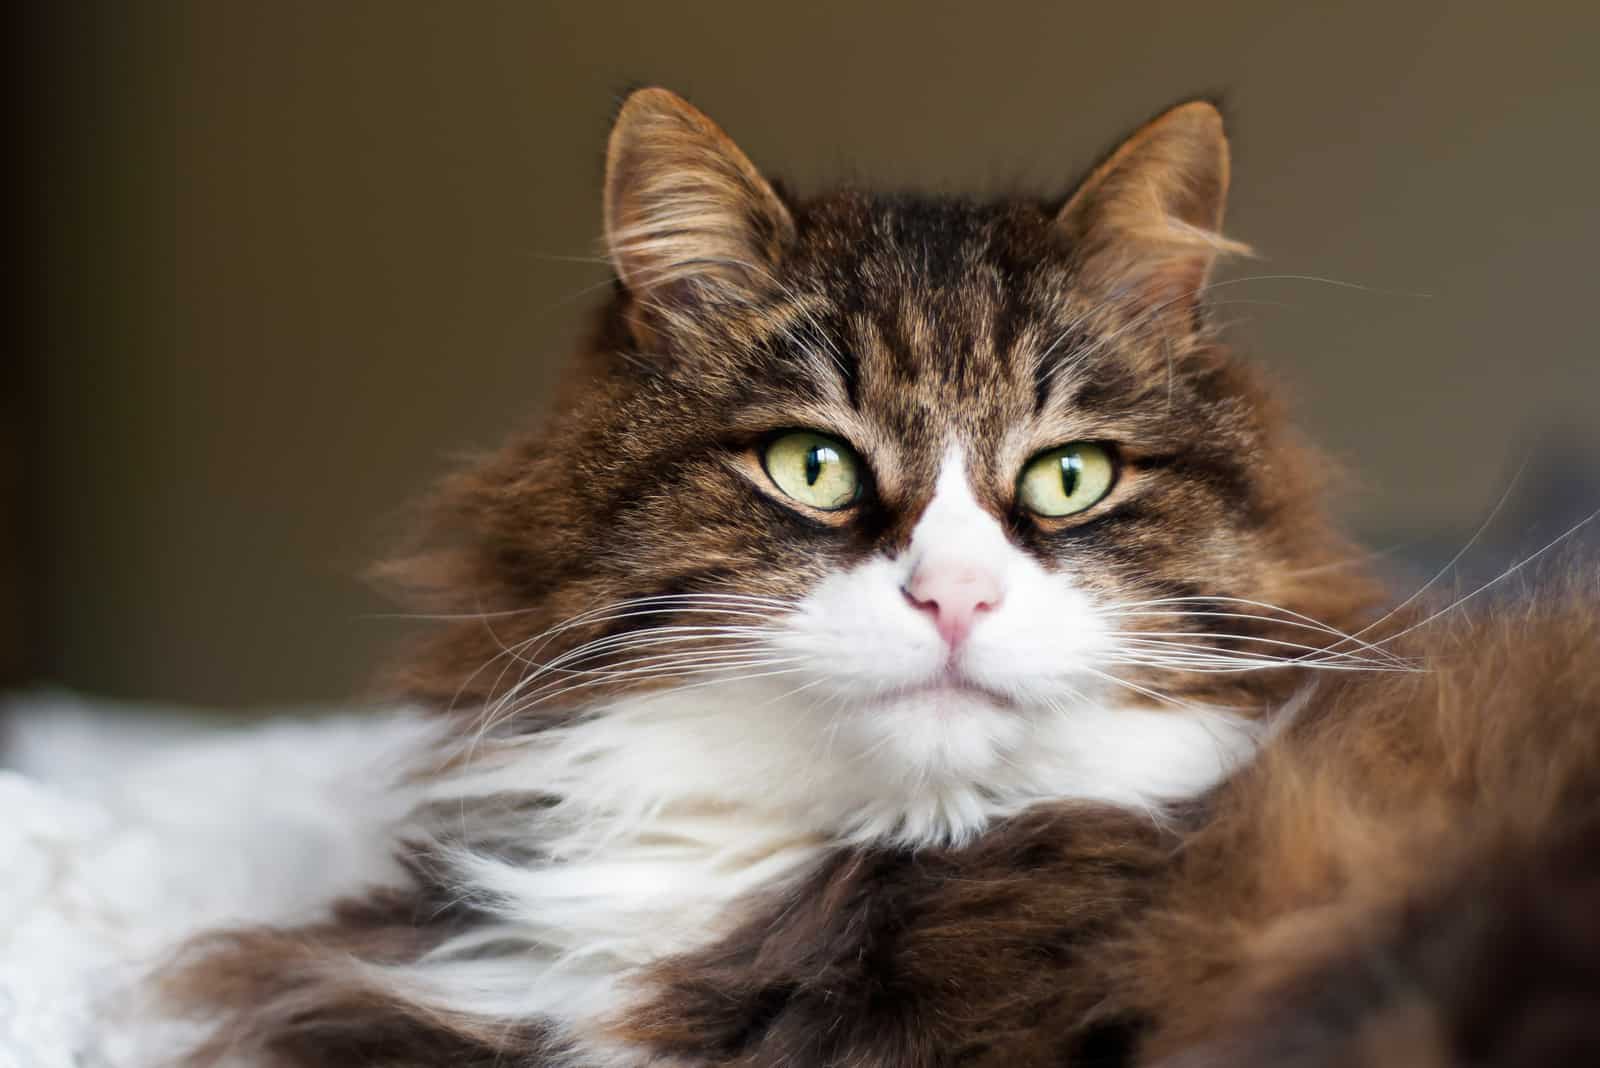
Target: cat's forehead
[{"x": 935, "y": 324}]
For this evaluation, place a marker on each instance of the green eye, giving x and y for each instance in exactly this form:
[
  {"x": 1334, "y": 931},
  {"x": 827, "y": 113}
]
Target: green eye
[
  {"x": 813, "y": 469},
  {"x": 1066, "y": 480}
]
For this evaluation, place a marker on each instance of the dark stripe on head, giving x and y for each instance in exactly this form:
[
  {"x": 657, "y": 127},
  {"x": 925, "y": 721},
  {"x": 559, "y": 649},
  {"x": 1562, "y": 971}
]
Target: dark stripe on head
[
  {"x": 1047, "y": 372},
  {"x": 822, "y": 340}
]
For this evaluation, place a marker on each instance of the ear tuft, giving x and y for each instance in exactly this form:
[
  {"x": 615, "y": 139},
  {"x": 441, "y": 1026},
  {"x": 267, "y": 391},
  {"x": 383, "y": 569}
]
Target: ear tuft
[
  {"x": 1147, "y": 221},
  {"x": 685, "y": 211}
]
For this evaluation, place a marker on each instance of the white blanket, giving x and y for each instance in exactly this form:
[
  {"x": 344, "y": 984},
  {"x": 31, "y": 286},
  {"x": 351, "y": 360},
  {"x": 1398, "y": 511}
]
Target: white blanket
[{"x": 123, "y": 831}]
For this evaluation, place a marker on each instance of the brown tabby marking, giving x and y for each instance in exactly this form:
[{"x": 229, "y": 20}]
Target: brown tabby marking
[{"x": 892, "y": 320}]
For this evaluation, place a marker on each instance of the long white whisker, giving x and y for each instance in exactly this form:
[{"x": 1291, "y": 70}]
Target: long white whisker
[
  {"x": 1264, "y": 605},
  {"x": 560, "y": 668},
  {"x": 1226, "y": 667},
  {"x": 532, "y": 701},
  {"x": 1505, "y": 495},
  {"x": 1507, "y": 573},
  {"x": 1309, "y": 650},
  {"x": 1136, "y": 688}
]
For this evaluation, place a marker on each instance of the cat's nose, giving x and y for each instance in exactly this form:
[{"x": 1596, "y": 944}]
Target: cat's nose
[{"x": 954, "y": 594}]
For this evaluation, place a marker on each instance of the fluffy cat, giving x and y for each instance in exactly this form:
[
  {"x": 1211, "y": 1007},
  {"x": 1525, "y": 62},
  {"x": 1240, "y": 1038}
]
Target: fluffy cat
[{"x": 914, "y": 639}]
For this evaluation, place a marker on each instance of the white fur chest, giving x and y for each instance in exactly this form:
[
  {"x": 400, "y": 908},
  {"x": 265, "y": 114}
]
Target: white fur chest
[
  {"x": 636, "y": 852},
  {"x": 658, "y": 813}
]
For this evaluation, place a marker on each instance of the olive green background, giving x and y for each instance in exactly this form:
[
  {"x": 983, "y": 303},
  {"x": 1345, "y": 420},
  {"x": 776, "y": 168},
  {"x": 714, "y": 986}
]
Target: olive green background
[{"x": 297, "y": 255}]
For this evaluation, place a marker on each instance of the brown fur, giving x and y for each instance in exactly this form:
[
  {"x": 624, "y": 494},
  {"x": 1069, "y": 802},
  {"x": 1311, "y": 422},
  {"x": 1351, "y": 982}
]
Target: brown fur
[
  {"x": 890, "y": 321},
  {"x": 889, "y": 958},
  {"x": 1412, "y": 843}
]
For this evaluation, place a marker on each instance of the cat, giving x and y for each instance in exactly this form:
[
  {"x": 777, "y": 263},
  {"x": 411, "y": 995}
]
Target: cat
[{"x": 913, "y": 638}]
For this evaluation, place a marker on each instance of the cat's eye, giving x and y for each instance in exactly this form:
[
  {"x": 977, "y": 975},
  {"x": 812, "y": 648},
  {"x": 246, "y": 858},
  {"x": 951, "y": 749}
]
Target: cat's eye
[
  {"x": 814, "y": 469},
  {"x": 1066, "y": 480}
]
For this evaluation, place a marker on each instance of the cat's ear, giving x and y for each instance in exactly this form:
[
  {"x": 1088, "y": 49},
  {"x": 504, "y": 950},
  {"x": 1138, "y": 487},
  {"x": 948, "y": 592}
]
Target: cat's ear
[
  {"x": 686, "y": 213},
  {"x": 1145, "y": 225}
]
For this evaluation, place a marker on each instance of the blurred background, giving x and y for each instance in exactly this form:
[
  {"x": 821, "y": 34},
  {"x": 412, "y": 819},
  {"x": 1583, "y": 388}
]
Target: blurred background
[{"x": 285, "y": 261}]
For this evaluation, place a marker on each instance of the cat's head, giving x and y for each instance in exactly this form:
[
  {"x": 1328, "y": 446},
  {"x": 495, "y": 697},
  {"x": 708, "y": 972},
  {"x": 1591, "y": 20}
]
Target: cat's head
[{"x": 908, "y": 510}]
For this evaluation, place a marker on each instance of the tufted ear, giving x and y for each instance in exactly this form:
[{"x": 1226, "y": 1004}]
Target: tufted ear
[
  {"x": 686, "y": 213},
  {"x": 1145, "y": 224}
]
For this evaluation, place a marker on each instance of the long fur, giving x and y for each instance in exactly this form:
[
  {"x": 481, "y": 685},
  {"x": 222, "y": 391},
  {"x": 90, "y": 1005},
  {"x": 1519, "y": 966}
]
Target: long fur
[{"x": 717, "y": 791}]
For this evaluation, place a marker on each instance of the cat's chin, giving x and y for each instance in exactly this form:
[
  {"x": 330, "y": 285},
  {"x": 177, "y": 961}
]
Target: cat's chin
[
  {"x": 942, "y": 698},
  {"x": 937, "y": 735}
]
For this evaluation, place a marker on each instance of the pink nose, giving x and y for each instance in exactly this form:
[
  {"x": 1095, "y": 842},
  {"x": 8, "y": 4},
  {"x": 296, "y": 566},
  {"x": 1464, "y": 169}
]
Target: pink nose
[{"x": 953, "y": 594}]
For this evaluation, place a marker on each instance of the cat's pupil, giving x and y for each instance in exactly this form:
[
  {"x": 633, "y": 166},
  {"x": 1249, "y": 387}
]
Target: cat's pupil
[
  {"x": 816, "y": 456},
  {"x": 1071, "y": 468}
]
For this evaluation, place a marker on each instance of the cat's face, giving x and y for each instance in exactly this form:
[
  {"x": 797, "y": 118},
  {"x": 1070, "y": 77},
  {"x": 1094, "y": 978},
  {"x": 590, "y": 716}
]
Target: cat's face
[{"x": 927, "y": 507}]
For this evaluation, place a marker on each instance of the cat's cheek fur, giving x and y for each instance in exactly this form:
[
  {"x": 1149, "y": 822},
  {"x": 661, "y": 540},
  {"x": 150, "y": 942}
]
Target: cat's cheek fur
[{"x": 924, "y": 769}]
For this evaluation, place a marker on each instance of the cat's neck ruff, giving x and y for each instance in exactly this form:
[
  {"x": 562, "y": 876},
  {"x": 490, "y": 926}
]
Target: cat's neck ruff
[
  {"x": 749, "y": 755},
  {"x": 648, "y": 817}
]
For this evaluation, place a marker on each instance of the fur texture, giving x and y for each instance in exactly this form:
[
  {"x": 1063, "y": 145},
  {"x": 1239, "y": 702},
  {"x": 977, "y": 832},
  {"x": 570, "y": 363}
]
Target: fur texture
[
  {"x": 1413, "y": 862},
  {"x": 725, "y": 789}
]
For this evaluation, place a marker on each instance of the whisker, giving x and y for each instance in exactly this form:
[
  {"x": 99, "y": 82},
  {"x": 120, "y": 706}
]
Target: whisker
[
  {"x": 697, "y": 652},
  {"x": 1507, "y": 573},
  {"x": 1335, "y": 282},
  {"x": 1154, "y": 695},
  {"x": 1505, "y": 495},
  {"x": 1155, "y": 635},
  {"x": 723, "y": 681},
  {"x": 529, "y": 702},
  {"x": 615, "y": 613},
  {"x": 616, "y": 643},
  {"x": 1264, "y": 605},
  {"x": 1224, "y": 667}
]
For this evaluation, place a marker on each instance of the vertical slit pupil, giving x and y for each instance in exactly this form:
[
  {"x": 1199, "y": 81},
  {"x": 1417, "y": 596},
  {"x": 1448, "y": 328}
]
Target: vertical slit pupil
[
  {"x": 816, "y": 456},
  {"x": 1071, "y": 467}
]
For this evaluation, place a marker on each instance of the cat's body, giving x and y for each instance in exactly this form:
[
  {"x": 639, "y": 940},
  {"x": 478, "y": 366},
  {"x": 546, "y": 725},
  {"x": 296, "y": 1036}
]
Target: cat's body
[
  {"x": 1410, "y": 875},
  {"x": 846, "y": 673}
]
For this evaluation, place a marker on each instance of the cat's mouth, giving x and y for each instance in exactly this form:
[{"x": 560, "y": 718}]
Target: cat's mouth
[{"x": 949, "y": 690}]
